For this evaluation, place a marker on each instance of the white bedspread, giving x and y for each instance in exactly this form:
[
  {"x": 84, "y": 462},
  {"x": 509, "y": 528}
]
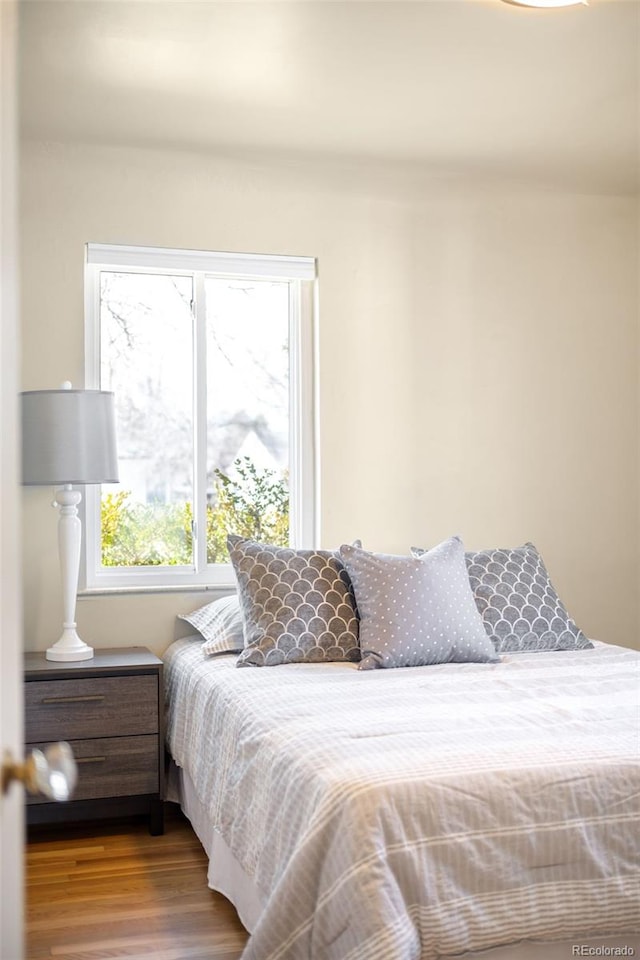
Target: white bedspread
[{"x": 423, "y": 812}]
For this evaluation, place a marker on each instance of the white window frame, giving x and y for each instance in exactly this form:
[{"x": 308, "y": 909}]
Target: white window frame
[{"x": 303, "y": 512}]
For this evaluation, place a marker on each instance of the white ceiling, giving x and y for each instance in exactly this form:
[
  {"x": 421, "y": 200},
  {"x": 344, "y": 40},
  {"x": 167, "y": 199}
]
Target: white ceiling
[{"x": 466, "y": 88}]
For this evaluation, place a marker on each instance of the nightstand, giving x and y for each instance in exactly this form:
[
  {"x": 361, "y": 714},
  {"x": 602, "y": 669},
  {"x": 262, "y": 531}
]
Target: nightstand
[{"x": 110, "y": 709}]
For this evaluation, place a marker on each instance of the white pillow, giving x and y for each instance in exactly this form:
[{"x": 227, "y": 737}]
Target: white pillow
[{"x": 220, "y": 623}]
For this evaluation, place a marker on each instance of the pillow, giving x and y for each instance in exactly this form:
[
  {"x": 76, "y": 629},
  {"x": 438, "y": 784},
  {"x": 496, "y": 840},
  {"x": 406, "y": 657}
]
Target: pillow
[
  {"x": 416, "y": 610},
  {"x": 297, "y": 605},
  {"x": 520, "y": 608},
  {"x": 220, "y": 623}
]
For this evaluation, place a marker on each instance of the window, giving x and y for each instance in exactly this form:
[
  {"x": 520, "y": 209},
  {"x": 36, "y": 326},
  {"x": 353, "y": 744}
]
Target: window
[{"x": 210, "y": 358}]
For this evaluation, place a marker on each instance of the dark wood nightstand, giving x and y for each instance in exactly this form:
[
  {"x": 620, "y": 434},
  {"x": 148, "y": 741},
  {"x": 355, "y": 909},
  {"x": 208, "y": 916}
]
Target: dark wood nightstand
[{"x": 110, "y": 709}]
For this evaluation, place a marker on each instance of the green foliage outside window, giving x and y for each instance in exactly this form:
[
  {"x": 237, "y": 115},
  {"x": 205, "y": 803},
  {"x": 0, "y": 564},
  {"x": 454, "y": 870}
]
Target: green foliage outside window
[
  {"x": 252, "y": 503},
  {"x": 255, "y": 503}
]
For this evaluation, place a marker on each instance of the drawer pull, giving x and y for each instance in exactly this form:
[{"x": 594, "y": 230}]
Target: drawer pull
[
  {"x": 90, "y": 759},
  {"x": 94, "y": 696}
]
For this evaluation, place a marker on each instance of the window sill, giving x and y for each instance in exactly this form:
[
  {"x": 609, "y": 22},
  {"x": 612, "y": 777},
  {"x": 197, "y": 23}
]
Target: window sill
[{"x": 169, "y": 588}]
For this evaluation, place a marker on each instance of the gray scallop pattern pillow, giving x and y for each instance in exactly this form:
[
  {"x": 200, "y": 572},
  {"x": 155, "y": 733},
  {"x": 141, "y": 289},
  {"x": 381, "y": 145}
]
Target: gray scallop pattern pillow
[
  {"x": 519, "y": 606},
  {"x": 297, "y": 605}
]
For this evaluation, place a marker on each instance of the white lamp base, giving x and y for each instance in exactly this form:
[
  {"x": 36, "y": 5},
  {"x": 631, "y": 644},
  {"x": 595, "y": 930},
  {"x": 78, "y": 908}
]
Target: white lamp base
[{"x": 69, "y": 647}]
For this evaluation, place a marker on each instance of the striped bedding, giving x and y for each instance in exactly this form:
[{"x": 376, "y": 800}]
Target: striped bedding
[{"x": 423, "y": 812}]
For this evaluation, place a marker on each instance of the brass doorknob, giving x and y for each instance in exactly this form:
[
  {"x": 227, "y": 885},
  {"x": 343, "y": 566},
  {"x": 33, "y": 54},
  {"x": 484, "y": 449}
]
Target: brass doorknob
[{"x": 52, "y": 772}]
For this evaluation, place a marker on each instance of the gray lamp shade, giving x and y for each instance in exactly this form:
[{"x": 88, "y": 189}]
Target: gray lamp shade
[{"x": 68, "y": 436}]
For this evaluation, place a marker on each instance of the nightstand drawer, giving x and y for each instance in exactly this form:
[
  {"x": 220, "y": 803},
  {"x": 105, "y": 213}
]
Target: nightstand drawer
[
  {"x": 113, "y": 767},
  {"x": 91, "y": 707}
]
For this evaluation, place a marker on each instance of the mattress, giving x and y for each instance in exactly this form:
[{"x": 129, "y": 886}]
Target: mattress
[{"x": 418, "y": 813}]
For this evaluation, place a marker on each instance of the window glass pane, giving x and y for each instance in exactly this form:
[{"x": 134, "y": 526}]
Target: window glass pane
[
  {"x": 247, "y": 412},
  {"x": 146, "y": 330}
]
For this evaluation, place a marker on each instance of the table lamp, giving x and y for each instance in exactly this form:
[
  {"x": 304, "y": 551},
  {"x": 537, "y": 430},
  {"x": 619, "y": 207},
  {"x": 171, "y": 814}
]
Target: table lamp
[{"x": 68, "y": 437}]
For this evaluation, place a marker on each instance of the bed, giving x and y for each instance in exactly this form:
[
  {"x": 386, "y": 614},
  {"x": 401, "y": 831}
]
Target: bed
[{"x": 460, "y": 809}]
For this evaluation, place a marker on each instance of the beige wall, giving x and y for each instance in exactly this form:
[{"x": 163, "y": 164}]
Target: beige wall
[{"x": 478, "y": 358}]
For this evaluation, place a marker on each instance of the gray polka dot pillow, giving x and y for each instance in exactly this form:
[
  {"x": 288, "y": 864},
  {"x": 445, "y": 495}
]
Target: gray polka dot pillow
[
  {"x": 297, "y": 605},
  {"x": 416, "y": 611},
  {"x": 520, "y": 608}
]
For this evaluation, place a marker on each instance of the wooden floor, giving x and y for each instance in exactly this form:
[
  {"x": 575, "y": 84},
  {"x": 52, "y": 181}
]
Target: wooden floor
[{"x": 112, "y": 890}]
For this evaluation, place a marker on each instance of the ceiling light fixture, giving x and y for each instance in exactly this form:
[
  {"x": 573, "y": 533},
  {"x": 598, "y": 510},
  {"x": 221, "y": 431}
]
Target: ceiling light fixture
[{"x": 548, "y": 3}]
